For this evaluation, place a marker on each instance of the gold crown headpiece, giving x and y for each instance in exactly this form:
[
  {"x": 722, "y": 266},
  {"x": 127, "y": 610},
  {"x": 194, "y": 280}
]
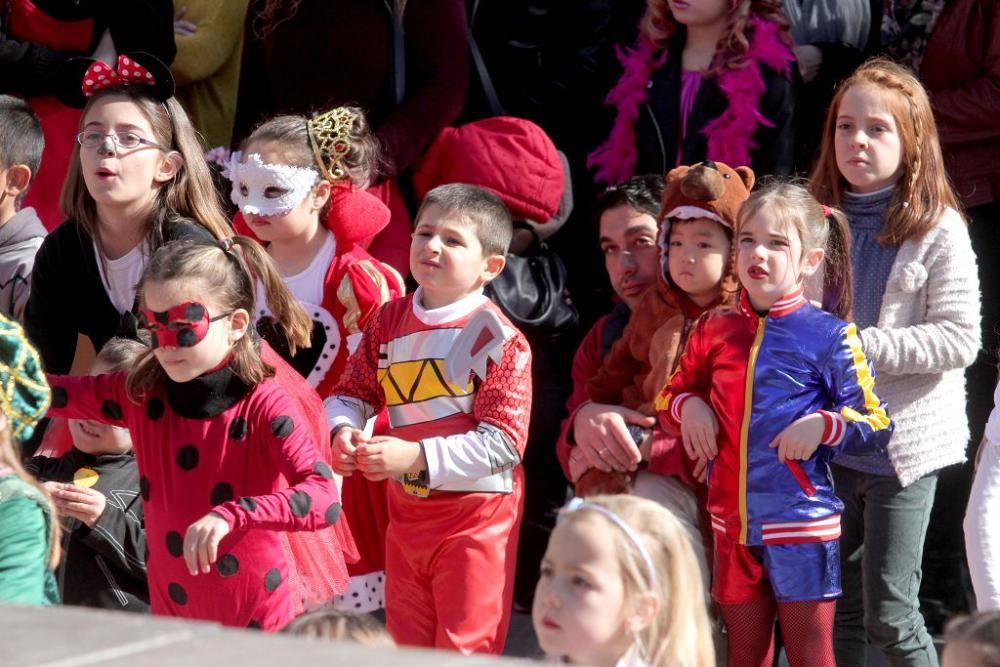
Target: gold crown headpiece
[{"x": 329, "y": 135}]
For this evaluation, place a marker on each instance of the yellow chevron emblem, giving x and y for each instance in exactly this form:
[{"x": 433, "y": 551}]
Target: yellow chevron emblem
[{"x": 420, "y": 380}]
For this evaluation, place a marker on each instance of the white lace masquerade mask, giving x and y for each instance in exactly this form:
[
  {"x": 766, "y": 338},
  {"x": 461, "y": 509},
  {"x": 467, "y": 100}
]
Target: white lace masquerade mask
[{"x": 252, "y": 179}]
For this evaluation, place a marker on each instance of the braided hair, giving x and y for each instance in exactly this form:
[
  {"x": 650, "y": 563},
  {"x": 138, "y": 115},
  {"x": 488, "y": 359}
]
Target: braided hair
[{"x": 923, "y": 191}]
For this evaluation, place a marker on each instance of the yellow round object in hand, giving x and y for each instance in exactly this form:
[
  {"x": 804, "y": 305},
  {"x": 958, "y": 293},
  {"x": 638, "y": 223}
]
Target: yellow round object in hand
[{"x": 85, "y": 477}]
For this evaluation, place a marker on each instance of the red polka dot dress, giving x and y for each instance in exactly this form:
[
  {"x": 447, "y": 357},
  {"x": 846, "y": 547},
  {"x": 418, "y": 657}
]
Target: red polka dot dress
[{"x": 215, "y": 444}]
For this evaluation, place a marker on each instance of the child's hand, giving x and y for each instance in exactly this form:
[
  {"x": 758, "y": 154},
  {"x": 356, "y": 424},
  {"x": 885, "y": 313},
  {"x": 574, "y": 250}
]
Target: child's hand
[
  {"x": 383, "y": 457},
  {"x": 201, "y": 543},
  {"x": 345, "y": 444},
  {"x": 79, "y": 502},
  {"x": 700, "y": 470},
  {"x": 800, "y": 439},
  {"x": 601, "y": 434},
  {"x": 699, "y": 429}
]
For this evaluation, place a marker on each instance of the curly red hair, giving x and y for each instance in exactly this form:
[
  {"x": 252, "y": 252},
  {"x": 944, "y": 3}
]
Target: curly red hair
[{"x": 658, "y": 26}]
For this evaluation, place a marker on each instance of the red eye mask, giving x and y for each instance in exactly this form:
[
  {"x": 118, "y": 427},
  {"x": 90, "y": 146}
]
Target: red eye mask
[{"x": 185, "y": 325}]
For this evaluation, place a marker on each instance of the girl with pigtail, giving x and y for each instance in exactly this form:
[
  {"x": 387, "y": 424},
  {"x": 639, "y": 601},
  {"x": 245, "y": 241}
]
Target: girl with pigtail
[
  {"x": 229, "y": 451},
  {"x": 136, "y": 179},
  {"x": 768, "y": 391},
  {"x": 917, "y": 311}
]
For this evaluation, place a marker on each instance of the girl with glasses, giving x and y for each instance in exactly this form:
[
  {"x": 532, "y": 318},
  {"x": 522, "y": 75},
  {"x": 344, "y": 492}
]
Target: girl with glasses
[{"x": 136, "y": 180}]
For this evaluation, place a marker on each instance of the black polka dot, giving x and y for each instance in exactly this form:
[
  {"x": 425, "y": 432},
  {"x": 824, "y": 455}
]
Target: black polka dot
[
  {"x": 322, "y": 469},
  {"x": 228, "y": 565},
  {"x": 248, "y": 503},
  {"x": 175, "y": 544},
  {"x": 144, "y": 488},
  {"x": 332, "y": 513},
  {"x": 282, "y": 426},
  {"x": 177, "y": 594},
  {"x": 272, "y": 579},
  {"x": 194, "y": 312},
  {"x": 59, "y": 397},
  {"x": 300, "y": 503},
  {"x": 187, "y": 457},
  {"x": 187, "y": 338},
  {"x": 354, "y": 595},
  {"x": 111, "y": 409},
  {"x": 238, "y": 429},
  {"x": 154, "y": 409},
  {"x": 222, "y": 493}
]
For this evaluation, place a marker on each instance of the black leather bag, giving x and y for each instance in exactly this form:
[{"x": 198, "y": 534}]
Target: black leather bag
[{"x": 532, "y": 292}]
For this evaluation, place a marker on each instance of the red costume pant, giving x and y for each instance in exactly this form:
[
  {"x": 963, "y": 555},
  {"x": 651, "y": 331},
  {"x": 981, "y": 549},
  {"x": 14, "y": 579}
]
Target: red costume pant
[{"x": 450, "y": 568}]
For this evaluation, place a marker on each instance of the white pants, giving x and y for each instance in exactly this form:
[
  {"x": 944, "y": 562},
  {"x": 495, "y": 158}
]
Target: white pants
[
  {"x": 682, "y": 502},
  {"x": 982, "y": 527}
]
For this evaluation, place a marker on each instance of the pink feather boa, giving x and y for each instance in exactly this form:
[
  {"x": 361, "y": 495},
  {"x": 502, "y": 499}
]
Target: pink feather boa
[{"x": 730, "y": 136}]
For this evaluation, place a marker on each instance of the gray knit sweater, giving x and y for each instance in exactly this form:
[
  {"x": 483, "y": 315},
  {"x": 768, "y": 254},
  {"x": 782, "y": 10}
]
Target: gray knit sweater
[{"x": 928, "y": 332}]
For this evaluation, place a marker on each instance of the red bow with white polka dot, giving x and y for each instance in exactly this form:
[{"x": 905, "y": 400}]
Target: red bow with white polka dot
[{"x": 129, "y": 73}]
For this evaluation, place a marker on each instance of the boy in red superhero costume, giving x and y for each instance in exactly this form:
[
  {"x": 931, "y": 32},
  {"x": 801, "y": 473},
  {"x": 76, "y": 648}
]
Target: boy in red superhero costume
[{"x": 454, "y": 376}]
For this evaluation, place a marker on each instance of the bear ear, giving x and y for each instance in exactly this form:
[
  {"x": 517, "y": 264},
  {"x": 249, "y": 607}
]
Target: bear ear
[
  {"x": 747, "y": 176},
  {"x": 676, "y": 174}
]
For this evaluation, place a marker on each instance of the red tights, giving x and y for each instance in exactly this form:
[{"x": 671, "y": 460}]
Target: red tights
[{"x": 806, "y": 629}]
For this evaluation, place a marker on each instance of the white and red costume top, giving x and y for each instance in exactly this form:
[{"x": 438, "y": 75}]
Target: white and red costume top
[
  {"x": 452, "y": 528},
  {"x": 472, "y": 433}
]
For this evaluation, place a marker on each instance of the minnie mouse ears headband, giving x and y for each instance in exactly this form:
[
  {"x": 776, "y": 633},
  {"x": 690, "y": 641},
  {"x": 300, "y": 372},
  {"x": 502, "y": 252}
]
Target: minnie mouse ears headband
[{"x": 132, "y": 70}]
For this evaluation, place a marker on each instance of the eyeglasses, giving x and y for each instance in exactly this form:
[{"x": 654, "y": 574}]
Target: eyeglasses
[{"x": 124, "y": 140}]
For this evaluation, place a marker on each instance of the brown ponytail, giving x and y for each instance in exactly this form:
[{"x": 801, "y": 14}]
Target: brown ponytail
[
  {"x": 838, "y": 274},
  {"x": 288, "y": 312}
]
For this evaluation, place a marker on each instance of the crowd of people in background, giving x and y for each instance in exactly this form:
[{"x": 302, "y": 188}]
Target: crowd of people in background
[{"x": 302, "y": 326}]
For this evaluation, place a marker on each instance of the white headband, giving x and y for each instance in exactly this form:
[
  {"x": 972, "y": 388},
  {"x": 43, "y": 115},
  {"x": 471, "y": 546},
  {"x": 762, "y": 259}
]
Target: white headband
[
  {"x": 252, "y": 178},
  {"x": 579, "y": 504}
]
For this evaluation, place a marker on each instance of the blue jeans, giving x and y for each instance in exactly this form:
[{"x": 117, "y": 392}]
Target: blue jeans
[{"x": 881, "y": 548}]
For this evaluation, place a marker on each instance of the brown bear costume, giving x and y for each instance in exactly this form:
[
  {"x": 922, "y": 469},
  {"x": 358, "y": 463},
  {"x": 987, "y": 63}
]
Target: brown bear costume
[{"x": 648, "y": 351}]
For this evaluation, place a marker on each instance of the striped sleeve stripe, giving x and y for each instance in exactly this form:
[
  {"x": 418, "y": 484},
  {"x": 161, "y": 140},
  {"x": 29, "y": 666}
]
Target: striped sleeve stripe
[
  {"x": 833, "y": 520},
  {"x": 827, "y": 535},
  {"x": 677, "y": 404},
  {"x": 834, "y": 428},
  {"x": 823, "y": 530}
]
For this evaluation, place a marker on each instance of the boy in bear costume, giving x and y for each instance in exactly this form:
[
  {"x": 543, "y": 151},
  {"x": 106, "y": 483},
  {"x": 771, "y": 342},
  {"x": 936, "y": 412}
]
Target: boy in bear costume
[{"x": 699, "y": 202}]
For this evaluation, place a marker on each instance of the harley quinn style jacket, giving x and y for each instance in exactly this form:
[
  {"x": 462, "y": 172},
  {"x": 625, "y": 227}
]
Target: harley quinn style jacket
[{"x": 759, "y": 374}]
